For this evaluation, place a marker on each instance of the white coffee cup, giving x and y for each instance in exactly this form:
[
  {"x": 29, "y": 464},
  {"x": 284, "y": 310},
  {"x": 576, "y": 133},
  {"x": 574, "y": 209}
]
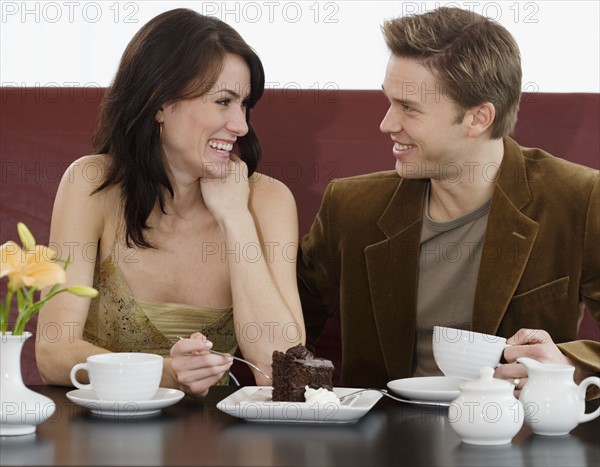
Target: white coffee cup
[
  {"x": 461, "y": 354},
  {"x": 124, "y": 376}
]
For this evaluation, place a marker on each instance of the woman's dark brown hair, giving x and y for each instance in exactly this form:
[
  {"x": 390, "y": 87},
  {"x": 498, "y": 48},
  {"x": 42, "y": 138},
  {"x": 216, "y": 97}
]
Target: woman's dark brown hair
[{"x": 177, "y": 55}]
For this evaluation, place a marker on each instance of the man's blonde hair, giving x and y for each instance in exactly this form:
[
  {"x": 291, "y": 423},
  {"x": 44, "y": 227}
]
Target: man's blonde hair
[{"x": 476, "y": 60}]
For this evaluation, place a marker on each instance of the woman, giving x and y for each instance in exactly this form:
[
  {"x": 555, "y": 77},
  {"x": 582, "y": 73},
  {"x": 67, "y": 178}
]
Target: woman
[{"x": 179, "y": 234}]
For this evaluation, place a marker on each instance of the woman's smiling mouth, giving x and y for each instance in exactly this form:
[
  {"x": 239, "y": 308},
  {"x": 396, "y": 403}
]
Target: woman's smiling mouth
[{"x": 221, "y": 146}]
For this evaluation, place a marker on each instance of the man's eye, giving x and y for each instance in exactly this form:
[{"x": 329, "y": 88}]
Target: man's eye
[{"x": 407, "y": 108}]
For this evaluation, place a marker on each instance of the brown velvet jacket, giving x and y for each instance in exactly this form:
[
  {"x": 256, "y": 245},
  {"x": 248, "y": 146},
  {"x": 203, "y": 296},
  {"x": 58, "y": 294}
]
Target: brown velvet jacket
[{"x": 540, "y": 263}]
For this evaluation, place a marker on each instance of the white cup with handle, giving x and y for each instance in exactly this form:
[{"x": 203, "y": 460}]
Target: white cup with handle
[{"x": 121, "y": 376}]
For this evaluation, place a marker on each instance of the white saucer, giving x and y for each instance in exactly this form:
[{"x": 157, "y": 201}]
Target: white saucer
[
  {"x": 164, "y": 397},
  {"x": 255, "y": 404},
  {"x": 428, "y": 388}
]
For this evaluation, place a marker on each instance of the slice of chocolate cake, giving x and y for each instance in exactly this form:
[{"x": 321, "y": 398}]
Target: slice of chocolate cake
[{"x": 296, "y": 369}]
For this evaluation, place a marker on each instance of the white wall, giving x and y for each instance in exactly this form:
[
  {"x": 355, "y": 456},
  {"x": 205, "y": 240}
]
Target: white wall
[{"x": 307, "y": 44}]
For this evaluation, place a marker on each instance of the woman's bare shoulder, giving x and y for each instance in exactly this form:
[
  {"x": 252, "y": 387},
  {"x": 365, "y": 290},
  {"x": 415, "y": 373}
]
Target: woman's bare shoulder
[
  {"x": 274, "y": 206},
  {"x": 81, "y": 181},
  {"x": 88, "y": 170},
  {"x": 267, "y": 189}
]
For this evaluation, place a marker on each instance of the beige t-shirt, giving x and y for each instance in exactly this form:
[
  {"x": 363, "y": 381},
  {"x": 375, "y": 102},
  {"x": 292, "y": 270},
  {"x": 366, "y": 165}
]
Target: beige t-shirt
[{"x": 450, "y": 253}]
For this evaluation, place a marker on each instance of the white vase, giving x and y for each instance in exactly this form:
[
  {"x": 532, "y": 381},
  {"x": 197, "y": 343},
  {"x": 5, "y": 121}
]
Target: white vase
[{"x": 21, "y": 409}]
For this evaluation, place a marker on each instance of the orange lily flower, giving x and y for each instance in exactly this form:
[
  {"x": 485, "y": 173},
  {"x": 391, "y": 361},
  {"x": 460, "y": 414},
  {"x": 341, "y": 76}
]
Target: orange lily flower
[{"x": 30, "y": 268}]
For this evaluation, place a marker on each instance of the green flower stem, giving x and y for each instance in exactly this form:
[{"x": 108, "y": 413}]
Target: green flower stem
[
  {"x": 24, "y": 301},
  {"x": 20, "y": 299},
  {"x": 30, "y": 308},
  {"x": 5, "y": 311}
]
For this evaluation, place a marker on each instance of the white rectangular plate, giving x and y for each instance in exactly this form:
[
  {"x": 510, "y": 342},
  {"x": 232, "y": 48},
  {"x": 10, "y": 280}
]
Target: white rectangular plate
[{"x": 253, "y": 403}]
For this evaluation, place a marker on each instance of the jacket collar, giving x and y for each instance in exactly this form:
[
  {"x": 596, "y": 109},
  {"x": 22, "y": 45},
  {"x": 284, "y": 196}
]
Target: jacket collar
[{"x": 512, "y": 177}]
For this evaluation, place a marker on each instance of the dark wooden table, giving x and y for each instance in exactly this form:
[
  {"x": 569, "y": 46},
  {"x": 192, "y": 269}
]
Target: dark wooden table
[{"x": 195, "y": 432}]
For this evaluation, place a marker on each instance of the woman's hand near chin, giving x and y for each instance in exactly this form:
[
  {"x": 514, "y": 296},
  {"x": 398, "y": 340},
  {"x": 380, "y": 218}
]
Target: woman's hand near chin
[{"x": 226, "y": 194}]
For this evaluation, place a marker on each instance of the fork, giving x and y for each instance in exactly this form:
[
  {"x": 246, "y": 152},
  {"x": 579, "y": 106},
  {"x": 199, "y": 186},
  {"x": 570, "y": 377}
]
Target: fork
[
  {"x": 387, "y": 394},
  {"x": 239, "y": 359},
  {"x": 242, "y": 360}
]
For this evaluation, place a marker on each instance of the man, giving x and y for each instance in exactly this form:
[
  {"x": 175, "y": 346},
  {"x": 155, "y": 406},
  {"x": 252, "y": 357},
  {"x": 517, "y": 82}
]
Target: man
[{"x": 470, "y": 231}]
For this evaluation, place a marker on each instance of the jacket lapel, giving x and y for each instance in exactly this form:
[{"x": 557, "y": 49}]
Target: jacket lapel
[
  {"x": 509, "y": 239},
  {"x": 392, "y": 267}
]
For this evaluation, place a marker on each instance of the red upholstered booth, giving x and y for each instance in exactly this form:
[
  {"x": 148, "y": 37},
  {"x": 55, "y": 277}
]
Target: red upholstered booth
[{"x": 308, "y": 138}]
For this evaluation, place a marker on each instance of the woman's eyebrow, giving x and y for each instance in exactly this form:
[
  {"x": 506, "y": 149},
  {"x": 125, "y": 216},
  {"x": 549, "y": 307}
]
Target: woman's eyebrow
[{"x": 234, "y": 94}]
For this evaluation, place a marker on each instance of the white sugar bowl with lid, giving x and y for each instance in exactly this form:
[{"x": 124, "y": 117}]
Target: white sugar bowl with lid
[{"x": 486, "y": 412}]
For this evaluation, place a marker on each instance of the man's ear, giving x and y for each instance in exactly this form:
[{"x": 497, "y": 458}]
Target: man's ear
[{"x": 481, "y": 118}]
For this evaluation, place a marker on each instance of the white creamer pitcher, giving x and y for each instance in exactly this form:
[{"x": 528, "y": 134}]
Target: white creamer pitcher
[{"x": 553, "y": 403}]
